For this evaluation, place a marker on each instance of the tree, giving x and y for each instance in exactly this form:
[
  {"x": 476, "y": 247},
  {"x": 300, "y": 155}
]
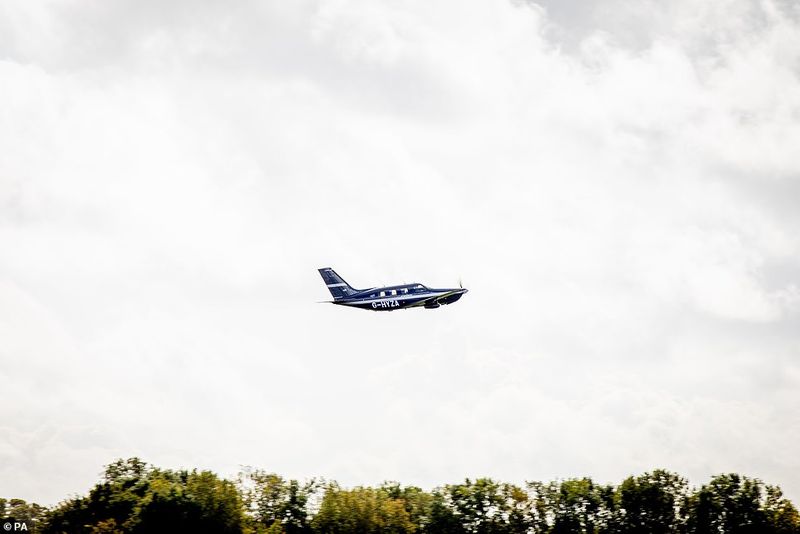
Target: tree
[
  {"x": 417, "y": 503},
  {"x": 442, "y": 518},
  {"x": 276, "y": 503},
  {"x": 31, "y": 513},
  {"x": 729, "y": 504},
  {"x": 485, "y": 507},
  {"x": 782, "y": 516},
  {"x": 361, "y": 510},
  {"x": 109, "y": 504},
  {"x": 651, "y": 503},
  {"x": 572, "y": 506},
  {"x": 188, "y": 501},
  {"x": 137, "y": 498}
]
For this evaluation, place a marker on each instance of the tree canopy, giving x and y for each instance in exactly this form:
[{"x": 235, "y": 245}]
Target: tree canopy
[{"x": 134, "y": 497}]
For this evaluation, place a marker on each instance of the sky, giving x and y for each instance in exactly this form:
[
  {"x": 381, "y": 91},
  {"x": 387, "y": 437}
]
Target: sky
[{"x": 616, "y": 183}]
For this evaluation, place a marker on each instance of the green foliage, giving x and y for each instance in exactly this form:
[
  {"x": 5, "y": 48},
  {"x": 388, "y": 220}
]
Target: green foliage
[
  {"x": 133, "y": 498},
  {"x": 482, "y": 507},
  {"x": 732, "y": 504},
  {"x": 653, "y": 502},
  {"x": 362, "y": 510},
  {"x": 417, "y": 502},
  {"x": 575, "y": 505},
  {"x": 32, "y": 513},
  {"x": 188, "y": 502},
  {"x": 109, "y": 504},
  {"x": 275, "y": 504},
  {"x": 782, "y": 516}
]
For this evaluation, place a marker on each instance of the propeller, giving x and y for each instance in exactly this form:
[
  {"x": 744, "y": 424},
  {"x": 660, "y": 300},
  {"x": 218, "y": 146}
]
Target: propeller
[{"x": 459, "y": 283}]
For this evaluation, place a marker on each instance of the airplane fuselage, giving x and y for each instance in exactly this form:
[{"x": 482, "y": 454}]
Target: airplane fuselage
[{"x": 399, "y": 297}]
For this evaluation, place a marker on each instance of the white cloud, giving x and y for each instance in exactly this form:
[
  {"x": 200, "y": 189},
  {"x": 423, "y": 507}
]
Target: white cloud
[{"x": 621, "y": 209}]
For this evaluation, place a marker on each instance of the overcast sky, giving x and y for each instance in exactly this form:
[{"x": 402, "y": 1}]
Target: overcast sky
[{"x": 617, "y": 183}]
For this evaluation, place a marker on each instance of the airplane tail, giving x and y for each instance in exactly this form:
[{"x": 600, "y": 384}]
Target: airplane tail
[{"x": 336, "y": 284}]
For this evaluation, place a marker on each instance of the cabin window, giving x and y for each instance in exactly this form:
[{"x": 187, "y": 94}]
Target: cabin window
[
  {"x": 404, "y": 290},
  {"x": 383, "y": 293},
  {"x": 394, "y": 292}
]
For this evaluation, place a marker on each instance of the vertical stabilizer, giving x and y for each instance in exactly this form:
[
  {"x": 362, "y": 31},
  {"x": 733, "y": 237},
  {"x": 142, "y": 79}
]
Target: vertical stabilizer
[{"x": 336, "y": 284}]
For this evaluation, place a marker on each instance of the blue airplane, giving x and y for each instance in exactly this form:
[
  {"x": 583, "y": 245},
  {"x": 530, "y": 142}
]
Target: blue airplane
[{"x": 387, "y": 298}]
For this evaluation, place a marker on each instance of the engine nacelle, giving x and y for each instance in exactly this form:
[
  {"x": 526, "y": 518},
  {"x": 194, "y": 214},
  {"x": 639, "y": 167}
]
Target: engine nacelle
[{"x": 431, "y": 305}]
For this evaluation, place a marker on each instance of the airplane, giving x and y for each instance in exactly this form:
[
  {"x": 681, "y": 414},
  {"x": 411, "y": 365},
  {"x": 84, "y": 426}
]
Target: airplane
[{"x": 387, "y": 298}]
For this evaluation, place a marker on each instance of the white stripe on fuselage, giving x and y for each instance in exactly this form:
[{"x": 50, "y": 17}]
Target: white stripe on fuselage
[
  {"x": 397, "y": 297},
  {"x": 335, "y": 285}
]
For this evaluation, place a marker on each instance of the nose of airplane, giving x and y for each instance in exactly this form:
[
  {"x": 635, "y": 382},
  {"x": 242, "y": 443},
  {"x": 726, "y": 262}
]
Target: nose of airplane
[
  {"x": 457, "y": 294},
  {"x": 460, "y": 293}
]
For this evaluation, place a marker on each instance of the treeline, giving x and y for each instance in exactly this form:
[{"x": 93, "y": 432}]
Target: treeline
[{"x": 133, "y": 497}]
